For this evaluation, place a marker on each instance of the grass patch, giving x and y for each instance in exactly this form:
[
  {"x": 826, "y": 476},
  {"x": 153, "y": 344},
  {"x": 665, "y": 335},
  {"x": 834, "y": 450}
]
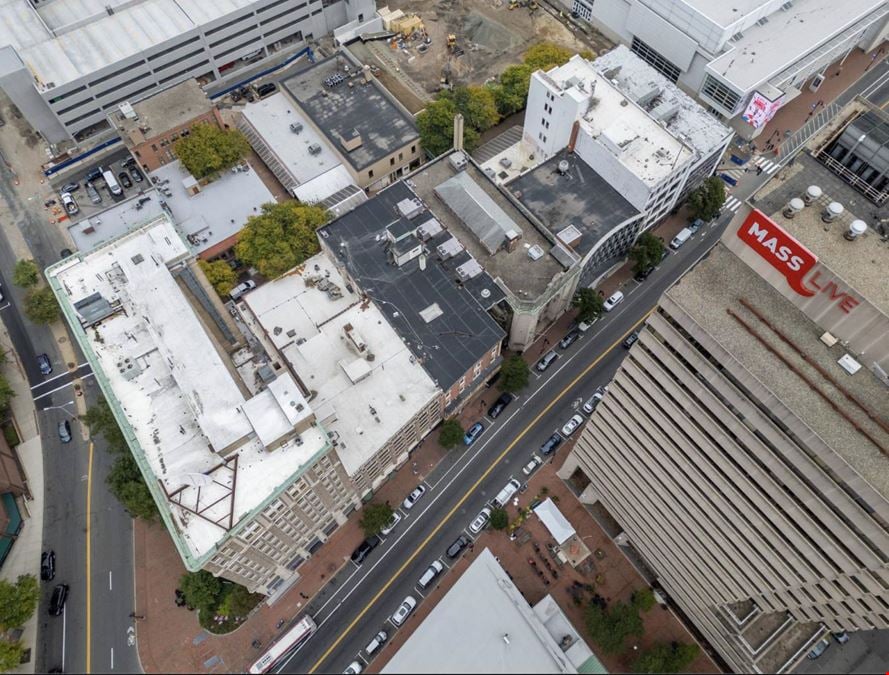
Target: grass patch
[
  {"x": 10, "y": 434},
  {"x": 231, "y": 609}
]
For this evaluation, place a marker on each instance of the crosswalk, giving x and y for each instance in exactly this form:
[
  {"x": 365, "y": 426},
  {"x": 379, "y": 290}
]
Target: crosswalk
[
  {"x": 768, "y": 166},
  {"x": 731, "y": 204}
]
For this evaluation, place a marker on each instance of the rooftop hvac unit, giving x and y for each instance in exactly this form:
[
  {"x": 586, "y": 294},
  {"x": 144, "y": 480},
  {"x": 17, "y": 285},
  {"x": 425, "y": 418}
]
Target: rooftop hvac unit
[
  {"x": 793, "y": 207},
  {"x": 856, "y": 229},
  {"x": 315, "y": 149},
  {"x": 535, "y": 252},
  {"x": 458, "y": 161},
  {"x": 813, "y": 192},
  {"x": 410, "y": 208},
  {"x": 296, "y": 127},
  {"x": 665, "y": 112},
  {"x": 833, "y": 211}
]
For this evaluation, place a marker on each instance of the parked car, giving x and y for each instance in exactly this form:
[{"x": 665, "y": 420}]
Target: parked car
[
  {"x": 528, "y": 469},
  {"x": 242, "y": 288},
  {"x": 364, "y": 548},
  {"x": 551, "y": 444},
  {"x": 597, "y": 396},
  {"x": 93, "y": 193},
  {"x": 404, "y": 610},
  {"x": 584, "y": 326},
  {"x": 57, "y": 601},
  {"x": 696, "y": 225},
  {"x": 353, "y": 668},
  {"x": 136, "y": 174},
  {"x": 70, "y": 204},
  {"x": 500, "y": 405},
  {"x": 264, "y": 90},
  {"x": 569, "y": 339},
  {"x": 94, "y": 174},
  {"x": 65, "y": 253},
  {"x": 642, "y": 275},
  {"x": 125, "y": 179},
  {"x": 480, "y": 521},
  {"x": 44, "y": 363},
  {"x": 413, "y": 497},
  {"x": 430, "y": 574},
  {"x": 819, "y": 648},
  {"x": 842, "y": 637},
  {"x": 378, "y": 641},
  {"x": 396, "y": 518},
  {"x": 1, "y": 294},
  {"x": 455, "y": 549},
  {"x": 473, "y": 433},
  {"x": 64, "y": 431},
  {"x": 546, "y": 361},
  {"x": 48, "y": 565},
  {"x": 613, "y": 301},
  {"x": 70, "y": 187},
  {"x": 571, "y": 425},
  {"x": 631, "y": 339}
]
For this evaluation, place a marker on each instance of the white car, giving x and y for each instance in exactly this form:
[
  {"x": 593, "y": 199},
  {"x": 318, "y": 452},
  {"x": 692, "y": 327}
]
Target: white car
[
  {"x": 353, "y": 668},
  {"x": 533, "y": 464},
  {"x": 616, "y": 298},
  {"x": 404, "y": 610},
  {"x": 413, "y": 497},
  {"x": 396, "y": 518},
  {"x": 571, "y": 426},
  {"x": 240, "y": 289},
  {"x": 597, "y": 396},
  {"x": 480, "y": 521}
]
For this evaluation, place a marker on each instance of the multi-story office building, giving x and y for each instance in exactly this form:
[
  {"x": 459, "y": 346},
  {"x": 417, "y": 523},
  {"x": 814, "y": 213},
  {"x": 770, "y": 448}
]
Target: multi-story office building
[
  {"x": 244, "y": 474},
  {"x": 743, "y": 59},
  {"x": 742, "y": 445},
  {"x": 67, "y": 63}
]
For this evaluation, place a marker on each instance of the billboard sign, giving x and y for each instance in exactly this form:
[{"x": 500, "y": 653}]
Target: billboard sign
[{"x": 761, "y": 109}]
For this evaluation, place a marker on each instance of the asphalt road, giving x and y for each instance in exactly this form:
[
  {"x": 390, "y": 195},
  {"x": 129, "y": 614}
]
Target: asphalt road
[
  {"x": 63, "y": 641},
  {"x": 362, "y": 599}
]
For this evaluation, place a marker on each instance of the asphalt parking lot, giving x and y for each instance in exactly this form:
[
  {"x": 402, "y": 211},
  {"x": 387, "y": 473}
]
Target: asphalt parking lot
[
  {"x": 865, "y": 652},
  {"x": 112, "y": 162}
]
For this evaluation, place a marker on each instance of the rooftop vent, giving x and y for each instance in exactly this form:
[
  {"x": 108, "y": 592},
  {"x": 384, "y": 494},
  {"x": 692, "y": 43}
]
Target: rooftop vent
[
  {"x": 763, "y": 20},
  {"x": 849, "y": 364},
  {"x": 315, "y": 149},
  {"x": 564, "y": 166},
  {"x": 793, "y": 207},
  {"x": 833, "y": 211},
  {"x": 535, "y": 252},
  {"x": 469, "y": 270},
  {"x": 813, "y": 192},
  {"x": 296, "y": 127},
  {"x": 737, "y": 36},
  {"x": 458, "y": 160},
  {"x": 856, "y": 229},
  {"x": 787, "y": 5}
]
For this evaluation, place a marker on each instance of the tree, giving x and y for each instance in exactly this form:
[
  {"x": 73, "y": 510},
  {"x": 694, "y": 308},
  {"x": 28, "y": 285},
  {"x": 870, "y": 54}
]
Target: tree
[
  {"x": 200, "y": 589},
  {"x": 281, "y": 237},
  {"x": 375, "y": 517},
  {"x": 7, "y": 393},
  {"x": 26, "y": 274},
  {"x": 707, "y": 199},
  {"x": 220, "y": 275},
  {"x": 451, "y": 433},
  {"x": 41, "y": 305},
  {"x": 514, "y": 374},
  {"x": 666, "y": 658},
  {"x": 126, "y": 483},
  {"x": 207, "y": 149},
  {"x": 241, "y": 602},
  {"x": 10, "y": 655},
  {"x": 499, "y": 519},
  {"x": 511, "y": 92},
  {"x": 589, "y": 304},
  {"x": 100, "y": 420},
  {"x": 610, "y": 627},
  {"x": 546, "y": 55},
  {"x": 643, "y": 599},
  {"x": 646, "y": 252},
  {"x": 18, "y": 601},
  {"x": 477, "y": 104},
  {"x": 436, "y": 126}
]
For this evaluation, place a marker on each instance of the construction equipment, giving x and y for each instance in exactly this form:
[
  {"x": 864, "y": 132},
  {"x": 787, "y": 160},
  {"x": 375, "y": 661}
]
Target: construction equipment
[{"x": 452, "y": 41}]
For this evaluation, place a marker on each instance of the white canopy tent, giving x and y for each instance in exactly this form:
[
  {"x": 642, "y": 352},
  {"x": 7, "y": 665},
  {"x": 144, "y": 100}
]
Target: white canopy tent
[{"x": 555, "y": 522}]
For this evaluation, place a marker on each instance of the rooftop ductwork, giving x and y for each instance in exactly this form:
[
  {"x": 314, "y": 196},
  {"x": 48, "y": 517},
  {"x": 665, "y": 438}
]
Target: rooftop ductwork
[
  {"x": 813, "y": 192},
  {"x": 793, "y": 207},
  {"x": 833, "y": 211},
  {"x": 856, "y": 229}
]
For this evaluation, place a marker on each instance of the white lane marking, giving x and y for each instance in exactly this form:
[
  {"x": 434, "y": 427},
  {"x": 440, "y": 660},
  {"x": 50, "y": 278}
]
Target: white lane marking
[
  {"x": 64, "y": 633},
  {"x": 56, "y": 377},
  {"x": 112, "y": 658},
  {"x": 110, "y": 585},
  {"x": 37, "y": 398}
]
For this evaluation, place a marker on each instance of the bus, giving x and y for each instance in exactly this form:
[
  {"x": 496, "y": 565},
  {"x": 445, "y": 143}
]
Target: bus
[{"x": 288, "y": 643}]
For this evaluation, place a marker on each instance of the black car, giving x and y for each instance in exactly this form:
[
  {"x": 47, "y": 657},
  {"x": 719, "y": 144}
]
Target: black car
[
  {"x": 48, "y": 565},
  {"x": 457, "y": 547},
  {"x": 551, "y": 444},
  {"x": 136, "y": 174},
  {"x": 57, "y": 602},
  {"x": 70, "y": 187},
  {"x": 569, "y": 339},
  {"x": 94, "y": 174},
  {"x": 499, "y": 405},
  {"x": 44, "y": 363},
  {"x": 65, "y": 253},
  {"x": 631, "y": 339},
  {"x": 64, "y": 431},
  {"x": 125, "y": 179},
  {"x": 266, "y": 89},
  {"x": 368, "y": 545},
  {"x": 642, "y": 275}
]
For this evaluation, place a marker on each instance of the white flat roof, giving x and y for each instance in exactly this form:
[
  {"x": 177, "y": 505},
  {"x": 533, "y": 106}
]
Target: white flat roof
[
  {"x": 316, "y": 176},
  {"x": 105, "y": 226},
  {"x": 726, "y": 12},
  {"x": 648, "y": 150},
  {"x": 308, "y": 327},
  {"x": 163, "y": 372},
  {"x": 766, "y": 50}
]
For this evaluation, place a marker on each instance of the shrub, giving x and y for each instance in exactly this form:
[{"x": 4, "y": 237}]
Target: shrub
[
  {"x": 375, "y": 517},
  {"x": 451, "y": 433},
  {"x": 514, "y": 374},
  {"x": 26, "y": 274},
  {"x": 499, "y": 519}
]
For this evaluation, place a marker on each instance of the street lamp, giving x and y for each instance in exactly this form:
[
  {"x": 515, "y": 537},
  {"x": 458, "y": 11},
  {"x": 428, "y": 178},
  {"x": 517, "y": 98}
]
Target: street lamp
[{"x": 62, "y": 408}]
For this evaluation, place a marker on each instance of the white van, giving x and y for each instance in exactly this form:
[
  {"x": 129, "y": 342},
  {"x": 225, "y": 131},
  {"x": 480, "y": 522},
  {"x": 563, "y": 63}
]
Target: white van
[
  {"x": 429, "y": 575},
  {"x": 378, "y": 641},
  {"x": 503, "y": 497},
  {"x": 113, "y": 186},
  {"x": 683, "y": 236}
]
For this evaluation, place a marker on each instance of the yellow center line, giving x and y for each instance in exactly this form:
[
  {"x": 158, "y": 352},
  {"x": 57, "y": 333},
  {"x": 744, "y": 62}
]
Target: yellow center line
[
  {"x": 89, "y": 576},
  {"x": 470, "y": 491}
]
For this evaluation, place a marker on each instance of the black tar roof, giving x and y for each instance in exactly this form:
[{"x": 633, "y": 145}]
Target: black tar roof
[
  {"x": 447, "y": 346},
  {"x": 580, "y": 197},
  {"x": 341, "y": 110}
]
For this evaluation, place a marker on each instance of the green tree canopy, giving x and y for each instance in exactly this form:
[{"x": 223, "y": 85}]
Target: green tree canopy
[
  {"x": 707, "y": 199},
  {"x": 26, "y": 274},
  {"x": 220, "y": 275},
  {"x": 589, "y": 304},
  {"x": 18, "y": 601},
  {"x": 436, "y": 126},
  {"x": 10, "y": 655},
  {"x": 207, "y": 149},
  {"x": 511, "y": 92},
  {"x": 499, "y": 519},
  {"x": 126, "y": 483},
  {"x": 281, "y": 237},
  {"x": 666, "y": 658},
  {"x": 41, "y": 305},
  {"x": 201, "y": 589},
  {"x": 643, "y": 599},
  {"x": 451, "y": 433},
  {"x": 646, "y": 252},
  {"x": 7, "y": 393},
  {"x": 374, "y": 517},
  {"x": 477, "y": 104},
  {"x": 100, "y": 420},
  {"x": 610, "y": 627},
  {"x": 546, "y": 55},
  {"x": 514, "y": 374}
]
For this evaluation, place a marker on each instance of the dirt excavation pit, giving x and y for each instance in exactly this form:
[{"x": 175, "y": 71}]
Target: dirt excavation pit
[{"x": 491, "y": 36}]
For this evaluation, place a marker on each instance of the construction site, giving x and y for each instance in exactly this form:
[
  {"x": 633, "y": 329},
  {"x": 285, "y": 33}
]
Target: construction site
[{"x": 435, "y": 44}]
